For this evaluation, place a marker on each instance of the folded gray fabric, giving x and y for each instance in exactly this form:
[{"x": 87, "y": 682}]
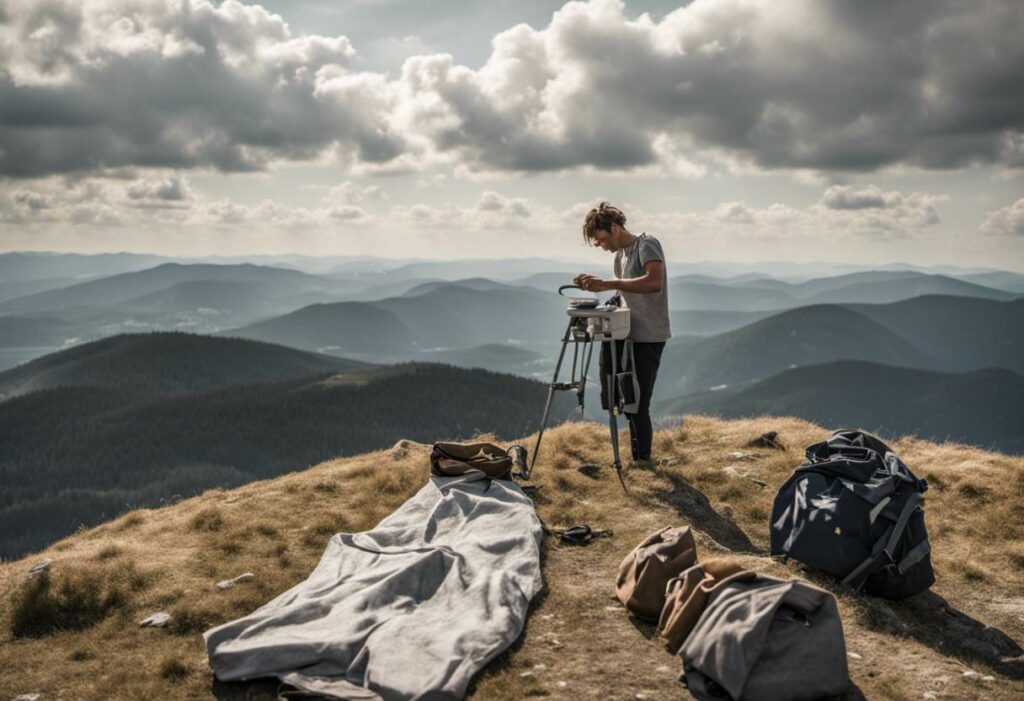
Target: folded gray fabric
[
  {"x": 765, "y": 639},
  {"x": 409, "y": 610}
]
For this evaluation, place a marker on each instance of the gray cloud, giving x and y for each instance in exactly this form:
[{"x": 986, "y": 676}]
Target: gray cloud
[
  {"x": 839, "y": 86},
  {"x": 846, "y": 197},
  {"x": 97, "y": 84},
  {"x": 172, "y": 189},
  {"x": 845, "y": 85}
]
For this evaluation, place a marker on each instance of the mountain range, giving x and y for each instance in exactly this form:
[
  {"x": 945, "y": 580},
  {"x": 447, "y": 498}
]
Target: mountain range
[
  {"x": 931, "y": 332},
  {"x": 982, "y": 407}
]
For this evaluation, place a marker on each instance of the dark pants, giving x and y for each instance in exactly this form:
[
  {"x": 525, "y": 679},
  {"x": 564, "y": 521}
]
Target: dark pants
[{"x": 648, "y": 358}]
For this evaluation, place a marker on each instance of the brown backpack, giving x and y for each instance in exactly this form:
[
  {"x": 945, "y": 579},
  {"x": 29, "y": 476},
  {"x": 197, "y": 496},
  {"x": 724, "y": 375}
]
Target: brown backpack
[
  {"x": 454, "y": 459},
  {"x": 687, "y": 594},
  {"x": 645, "y": 572}
]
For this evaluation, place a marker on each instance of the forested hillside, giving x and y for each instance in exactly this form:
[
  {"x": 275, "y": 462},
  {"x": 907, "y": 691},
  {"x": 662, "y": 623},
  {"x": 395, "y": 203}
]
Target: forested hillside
[
  {"x": 167, "y": 363},
  {"x": 81, "y": 455}
]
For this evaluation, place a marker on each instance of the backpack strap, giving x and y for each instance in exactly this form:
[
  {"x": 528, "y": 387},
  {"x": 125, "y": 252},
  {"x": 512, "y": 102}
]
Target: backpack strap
[
  {"x": 916, "y": 554},
  {"x": 886, "y": 546}
]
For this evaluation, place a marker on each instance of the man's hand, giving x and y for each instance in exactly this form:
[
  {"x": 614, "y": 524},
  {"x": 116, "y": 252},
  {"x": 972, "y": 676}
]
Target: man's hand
[{"x": 592, "y": 283}]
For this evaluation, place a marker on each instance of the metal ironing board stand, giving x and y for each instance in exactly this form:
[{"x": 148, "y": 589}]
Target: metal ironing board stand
[{"x": 579, "y": 333}]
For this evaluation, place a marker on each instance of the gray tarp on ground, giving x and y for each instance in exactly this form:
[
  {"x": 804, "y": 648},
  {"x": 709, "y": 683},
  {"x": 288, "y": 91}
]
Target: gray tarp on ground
[{"x": 409, "y": 610}]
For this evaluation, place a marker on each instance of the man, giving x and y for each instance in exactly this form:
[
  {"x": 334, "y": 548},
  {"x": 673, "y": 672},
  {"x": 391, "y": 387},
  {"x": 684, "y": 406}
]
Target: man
[{"x": 641, "y": 279}]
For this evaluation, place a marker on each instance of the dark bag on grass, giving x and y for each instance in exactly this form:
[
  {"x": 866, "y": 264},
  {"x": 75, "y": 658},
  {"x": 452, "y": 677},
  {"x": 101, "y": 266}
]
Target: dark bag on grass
[
  {"x": 765, "y": 639},
  {"x": 853, "y": 509},
  {"x": 627, "y": 384},
  {"x": 453, "y": 459},
  {"x": 645, "y": 572}
]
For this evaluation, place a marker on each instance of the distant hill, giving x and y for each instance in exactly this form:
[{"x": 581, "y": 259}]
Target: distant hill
[
  {"x": 35, "y": 331},
  {"x": 167, "y": 363},
  {"x": 125, "y": 287},
  {"x": 802, "y": 336},
  {"x": 24, "y": 266},
  {"x": 490, "y": 356},
  {"x": 1001, "y": 280},
  {"x": 472, "y": 283},
  {"x": 707, "y": 322},
  {"x": 693, "y": 292},
  {"x": 78, "y": 455},
  {"x": 13, "y": 290},
  {"x": 237, "y": 296},
  {"x": 349, "y": 328},
  {"x": 961, "y": 333},
  {"x": 904, "y": 287},
  {"x": 445, "y": 316},
  {"x": 983, "y": 408}
]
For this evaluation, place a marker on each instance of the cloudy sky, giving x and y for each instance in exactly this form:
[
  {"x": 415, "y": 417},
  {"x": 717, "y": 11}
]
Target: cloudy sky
[{"x": 834, "y": 130}]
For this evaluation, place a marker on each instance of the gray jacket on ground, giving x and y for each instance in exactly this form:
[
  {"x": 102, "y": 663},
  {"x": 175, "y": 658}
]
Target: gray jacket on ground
[{"x": 765, "y": 639}]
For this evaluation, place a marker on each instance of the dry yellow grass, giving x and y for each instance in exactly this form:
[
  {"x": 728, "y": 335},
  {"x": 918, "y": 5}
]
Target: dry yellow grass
[{"x": 578, "y": 643}]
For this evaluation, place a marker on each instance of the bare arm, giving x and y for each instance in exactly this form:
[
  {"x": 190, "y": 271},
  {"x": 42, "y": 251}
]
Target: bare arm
[{"x": 647, "y": 283}]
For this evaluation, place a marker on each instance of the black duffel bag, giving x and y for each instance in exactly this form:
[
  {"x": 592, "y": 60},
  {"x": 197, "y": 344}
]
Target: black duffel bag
[{"x": 853, "y": 509}]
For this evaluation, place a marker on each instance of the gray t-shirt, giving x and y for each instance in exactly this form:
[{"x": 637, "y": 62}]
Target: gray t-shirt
[{"x": 648, "y": 313}]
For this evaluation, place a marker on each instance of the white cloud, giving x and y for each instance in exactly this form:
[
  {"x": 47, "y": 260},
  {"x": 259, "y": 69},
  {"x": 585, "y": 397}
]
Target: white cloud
[
  {"x": 1008, "y": 221},
  {"x": 348, "y": 193},
  {"x": 493, "y": 202}
]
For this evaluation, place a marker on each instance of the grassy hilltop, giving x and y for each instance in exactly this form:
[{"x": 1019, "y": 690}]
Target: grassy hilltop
[{"x": 73, "y": 633}]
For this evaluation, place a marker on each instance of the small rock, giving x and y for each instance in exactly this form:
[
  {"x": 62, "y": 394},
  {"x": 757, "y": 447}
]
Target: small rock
[
  {"x": 228, "y": 583},
  {"x": 767, "y": 440},
  {"x": 39, "y": 568},
  {"x": 157, "y": 620},
  {"x": 930, "y": 696},
  {"x": 540, "y": 666},
  {"x": 526, "y": 674},
  {"x": 640, "y": 696},
  {"x": 28, "y": 697},
  {"x": 668, "y": 462},
  {"x": 547, "y": 616},
  {"x": 734, "y": 471},
  {"x": 854, "y": 656},
  {"x": 988, "y": 678},
  {"x": 613, "y": 608},
  {"x": 970, "y": 675},
  {"x": 562, "y": 685},
  {"x": 663, "y": 668},
  {"x": 740, "y": 455}
]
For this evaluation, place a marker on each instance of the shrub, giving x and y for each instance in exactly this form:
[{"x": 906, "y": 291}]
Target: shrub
[
  {"x": 72, "y": 599},
  {"x": 208, "y": 519},
  {"x": 173, "y": 669}
]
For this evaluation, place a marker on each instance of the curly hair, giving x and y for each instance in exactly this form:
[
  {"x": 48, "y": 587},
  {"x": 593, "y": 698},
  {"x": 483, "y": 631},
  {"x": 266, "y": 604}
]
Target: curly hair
[{"x": 601, "y": 218}]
